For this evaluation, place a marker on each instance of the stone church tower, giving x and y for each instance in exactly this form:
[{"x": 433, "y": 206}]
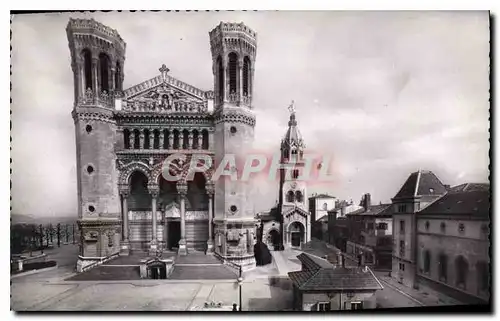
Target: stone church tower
[
  {"x": 233, "y": 48},
  {"x": 97, "y": 58},
  {"x": 295, "y": 226}
]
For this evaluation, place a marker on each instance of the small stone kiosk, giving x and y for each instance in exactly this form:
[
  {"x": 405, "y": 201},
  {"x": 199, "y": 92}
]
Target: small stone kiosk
[{"x": 156, "y": 267}]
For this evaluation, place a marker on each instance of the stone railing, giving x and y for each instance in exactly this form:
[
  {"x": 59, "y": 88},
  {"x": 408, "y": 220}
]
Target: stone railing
[
  {"x": 143, "y": 215},
  {"x": 103, "y": 98},
  {"x": 196, "y": 215}
]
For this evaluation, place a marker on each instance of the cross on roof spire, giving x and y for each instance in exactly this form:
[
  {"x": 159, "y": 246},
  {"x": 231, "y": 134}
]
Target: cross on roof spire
[
  {"x": 164, "y": 70},
  {"x": 291, "y": 108}
]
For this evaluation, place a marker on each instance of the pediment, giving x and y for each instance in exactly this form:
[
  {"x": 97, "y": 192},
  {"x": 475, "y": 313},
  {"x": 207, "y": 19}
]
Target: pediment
[
  {"x": 295, "y": 211},
  {"x": 165, "y": 94}
]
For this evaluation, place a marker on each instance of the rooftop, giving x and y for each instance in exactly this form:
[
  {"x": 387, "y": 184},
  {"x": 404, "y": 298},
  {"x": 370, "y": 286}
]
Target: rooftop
[
  {"x": 465, "y": 199},
  {"x": 421, "y": 183},
  {"x": 318, "y": 275},
  {"x": 380, "y": 209}
]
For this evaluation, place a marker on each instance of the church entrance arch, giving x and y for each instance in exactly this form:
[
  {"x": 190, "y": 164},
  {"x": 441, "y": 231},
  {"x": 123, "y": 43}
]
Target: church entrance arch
[
  {"x": 296, "y": 230},
  {"x": 273, "y": 239}
]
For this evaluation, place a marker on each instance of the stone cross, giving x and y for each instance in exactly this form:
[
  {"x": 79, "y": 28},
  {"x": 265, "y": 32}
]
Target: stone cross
[{"x": 164, "y": 70}]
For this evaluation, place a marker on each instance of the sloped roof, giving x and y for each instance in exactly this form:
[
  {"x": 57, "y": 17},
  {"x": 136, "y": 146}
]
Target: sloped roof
[
  {"x": 313, "y": 262},
  {"x": 421, "y": 183},
  {"x": 293, "y": 137},
  {"x": 380, "y": 209},
  {"x": 159, "y": 80},
  {"x": 319, "y": 275},
  {"x": 465, "y": 199}
]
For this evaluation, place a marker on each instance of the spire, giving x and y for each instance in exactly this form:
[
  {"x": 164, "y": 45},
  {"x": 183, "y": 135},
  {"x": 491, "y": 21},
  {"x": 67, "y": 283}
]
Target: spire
[{"x": 293, "y": 137}]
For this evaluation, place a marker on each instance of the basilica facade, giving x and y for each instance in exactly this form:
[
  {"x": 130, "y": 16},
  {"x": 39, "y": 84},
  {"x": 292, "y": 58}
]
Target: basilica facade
[{"x": 124, "y": 135}]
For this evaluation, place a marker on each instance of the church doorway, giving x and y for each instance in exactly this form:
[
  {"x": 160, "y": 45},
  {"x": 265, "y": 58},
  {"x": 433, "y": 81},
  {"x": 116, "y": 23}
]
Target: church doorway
[
  {"x": 174, "y": 234},
  {"x": 296, "y": 234},
  {"x": 273, "y": 239}
]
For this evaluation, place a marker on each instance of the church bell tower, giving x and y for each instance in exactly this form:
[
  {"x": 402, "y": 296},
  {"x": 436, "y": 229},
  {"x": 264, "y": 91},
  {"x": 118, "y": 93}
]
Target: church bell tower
[
  {"x": 97, "y": 58},
  {"x": 294, "y": 212},
  {"x": 233, "y": 47}
]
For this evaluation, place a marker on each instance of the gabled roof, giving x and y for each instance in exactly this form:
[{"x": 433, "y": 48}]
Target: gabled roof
[
  {"x": 169, "y": 80},
  {"x": 373, "y": 210},
  {"x": 465, "y": 199},
  {"x": 328, "y": 277},
  {"x": 421, "y": 183}
]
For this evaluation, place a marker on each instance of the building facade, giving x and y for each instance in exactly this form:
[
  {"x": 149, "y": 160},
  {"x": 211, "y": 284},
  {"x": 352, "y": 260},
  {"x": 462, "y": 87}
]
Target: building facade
[
  {"x": 319, "y": 205},
  {"x": 370, "y": 234},
  {"x": 420, "y": 189},
  {"x": 288, "y": 225},
  {"x": 127, "y": 199},
  {"x": 323, "y": 286},
  {"x": 454, "y": 242}
]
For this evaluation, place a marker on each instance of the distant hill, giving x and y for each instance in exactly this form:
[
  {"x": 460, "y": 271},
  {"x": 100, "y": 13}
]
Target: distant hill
[{"x": 32, "y": 219}]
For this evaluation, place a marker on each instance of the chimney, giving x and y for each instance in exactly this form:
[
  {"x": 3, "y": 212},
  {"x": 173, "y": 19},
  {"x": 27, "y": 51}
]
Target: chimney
[{"x": 368, "y": 201}]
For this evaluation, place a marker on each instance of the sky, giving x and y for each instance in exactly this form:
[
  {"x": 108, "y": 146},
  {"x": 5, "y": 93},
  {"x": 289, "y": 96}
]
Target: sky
[{"x": 384, "y": 93}]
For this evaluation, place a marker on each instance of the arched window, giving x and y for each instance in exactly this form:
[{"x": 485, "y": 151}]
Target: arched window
[
  {"x": 126, "y": 138},
  {"x": 246, "y": 76},
  {"x": 137, "y": 142},
  {"x": 298, "y": 196},
  {"x": 118, "y": 71},
  {"x": 443, "y": 267},
  {"x": 176, "y": 139},
  {"x": 483, "y": 275},
  {"x": 87, "y": 68},
  {"x": 195, "y": 139},
  {"x": 462, "y": 269},
  {"x": 104, "y": 71},
  {"x": 204, "y": 144},
  {"x": 285, "y": 153},
  {"x": 220, "y": 78},
  {"x": 233, "y": 71},
  {"x": 290, "y": 196},
  {"x": 325, "y": 206},
  {"x": 147, "y": 142},
  {"x": 427, "y": 261},
  {"x": 185, "y": 139},
  {"x": 156, "y": 140},
  {"x": 295, "y": 174}
]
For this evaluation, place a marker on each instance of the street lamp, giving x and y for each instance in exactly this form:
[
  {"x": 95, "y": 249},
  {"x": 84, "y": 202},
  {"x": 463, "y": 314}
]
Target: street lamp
[{"x": 240, "y": 282}]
